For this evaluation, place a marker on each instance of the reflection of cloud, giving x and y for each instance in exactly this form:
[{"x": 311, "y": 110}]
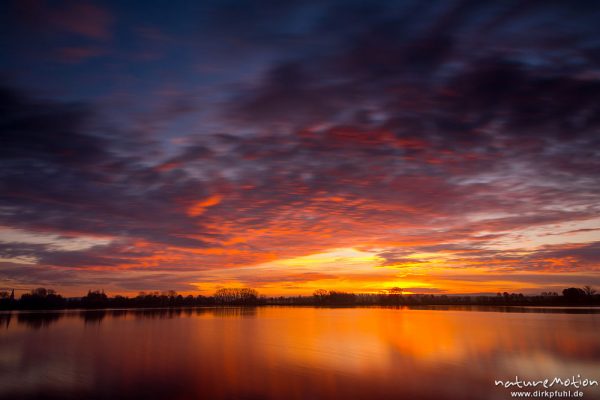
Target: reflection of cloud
[
  {"x": 58, "y": 375},
  {"x": 275, "y": 352}
]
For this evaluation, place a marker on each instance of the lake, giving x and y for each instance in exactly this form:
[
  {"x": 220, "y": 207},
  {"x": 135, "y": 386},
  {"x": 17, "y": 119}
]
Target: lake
[{"x": 295, "y": 353}]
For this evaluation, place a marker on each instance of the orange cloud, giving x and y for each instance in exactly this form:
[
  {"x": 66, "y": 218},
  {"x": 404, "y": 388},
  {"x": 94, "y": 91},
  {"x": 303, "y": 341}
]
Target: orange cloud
[{"x": 201, "y": 206}]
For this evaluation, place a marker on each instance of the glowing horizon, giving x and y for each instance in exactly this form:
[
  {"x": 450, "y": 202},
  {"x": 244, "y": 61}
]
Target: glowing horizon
[{"x": 290, "y": 148}]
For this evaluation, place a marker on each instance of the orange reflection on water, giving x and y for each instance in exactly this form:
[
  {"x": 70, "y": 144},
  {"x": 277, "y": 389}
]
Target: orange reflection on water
[{"x": 292, "y": 353}]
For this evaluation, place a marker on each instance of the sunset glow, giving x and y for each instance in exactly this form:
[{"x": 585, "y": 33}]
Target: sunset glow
[{"x": 345, "y": 146}]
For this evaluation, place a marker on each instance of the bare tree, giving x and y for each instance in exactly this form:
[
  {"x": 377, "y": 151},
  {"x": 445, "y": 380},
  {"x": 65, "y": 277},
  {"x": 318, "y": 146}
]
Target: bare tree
[
  {"x": 241, "y": 296},
  {"x": 395, "y": 291},
  {"x": 589, "y": 291}
]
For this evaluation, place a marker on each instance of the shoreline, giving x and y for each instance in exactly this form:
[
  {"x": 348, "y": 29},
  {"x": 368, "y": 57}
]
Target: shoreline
[{"x": 583, "y": 309}]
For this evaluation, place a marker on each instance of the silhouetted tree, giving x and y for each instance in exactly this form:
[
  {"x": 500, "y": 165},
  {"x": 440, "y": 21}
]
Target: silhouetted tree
[
  {"x": 248, "y": 296},
  {"x": 341, "y": 298},
  {"x": 589, "y": 291},
  {"x": 320, "y": 296},
  {"x": 395, "y": 295},
  {"x": 236, "y": 296},
  {"x": 549, "y": 294},
  {"x": 395, "y": 291},
  {"x": 42, "y": 298},
  {"x": 573, "y": 294},
  {"x": 6, "y": 299},
  {"x": 94, "y": 299}
]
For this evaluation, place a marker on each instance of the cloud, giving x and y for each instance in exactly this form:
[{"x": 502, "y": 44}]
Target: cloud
[
  {"x": 78, "y": 54},
  {"x": 79, "y": 18},
  {"x": 201, "y": 206},
  {"x": 465, "y": 130}
]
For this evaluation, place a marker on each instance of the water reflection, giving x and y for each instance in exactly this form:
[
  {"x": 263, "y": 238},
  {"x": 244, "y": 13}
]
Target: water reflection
[
  {"x": 5, "y": 319},
  {"x": 40, "y": 319},
  {"x": 290, "y": 353}
]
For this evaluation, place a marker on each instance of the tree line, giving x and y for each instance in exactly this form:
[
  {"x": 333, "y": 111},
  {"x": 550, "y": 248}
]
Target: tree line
[{"x": 42, "y": 298}]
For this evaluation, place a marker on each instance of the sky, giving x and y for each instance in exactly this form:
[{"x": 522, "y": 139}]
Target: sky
[{"x": 442, "y": 147}]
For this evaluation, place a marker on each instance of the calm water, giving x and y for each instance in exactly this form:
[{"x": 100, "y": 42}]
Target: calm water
[{"x": 291, "y": 353}]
